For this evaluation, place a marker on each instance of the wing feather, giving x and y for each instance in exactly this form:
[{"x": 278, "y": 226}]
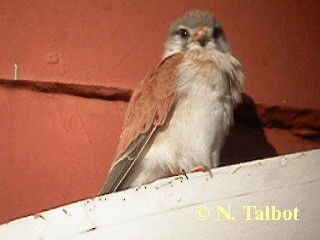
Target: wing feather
[{"x": 147, "y": 109}]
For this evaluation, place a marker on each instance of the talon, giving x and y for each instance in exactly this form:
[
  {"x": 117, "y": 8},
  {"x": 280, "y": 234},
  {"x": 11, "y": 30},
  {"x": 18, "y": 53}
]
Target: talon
[
  {"x": 181, "y": 172},
  {"x": 184, "y": 173}
]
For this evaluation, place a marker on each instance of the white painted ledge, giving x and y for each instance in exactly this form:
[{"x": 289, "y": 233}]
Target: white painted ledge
[{"x": 166, "y": 208}]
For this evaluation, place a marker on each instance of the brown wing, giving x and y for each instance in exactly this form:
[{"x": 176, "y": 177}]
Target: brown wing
[{"x": 147, "y": 109}]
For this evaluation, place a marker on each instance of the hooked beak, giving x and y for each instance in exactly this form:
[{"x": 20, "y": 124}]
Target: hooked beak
[{"x": 202, "y": 37}]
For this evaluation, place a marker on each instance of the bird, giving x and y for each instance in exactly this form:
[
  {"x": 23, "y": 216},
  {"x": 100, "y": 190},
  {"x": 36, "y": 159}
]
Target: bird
[{"x": 178, "y": 117}]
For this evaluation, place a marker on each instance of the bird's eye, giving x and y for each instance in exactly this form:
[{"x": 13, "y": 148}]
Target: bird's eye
[
  {"x": 217, "y": 32},
  {"x": 183, "y": 33}
]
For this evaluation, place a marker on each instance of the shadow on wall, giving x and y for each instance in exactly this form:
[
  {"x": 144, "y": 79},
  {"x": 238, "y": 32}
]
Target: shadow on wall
[{"x": 246, "y": 140}]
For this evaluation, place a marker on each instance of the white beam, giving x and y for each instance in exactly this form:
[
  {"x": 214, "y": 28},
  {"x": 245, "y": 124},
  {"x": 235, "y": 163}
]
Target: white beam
[{"x": 173, "y": 208}]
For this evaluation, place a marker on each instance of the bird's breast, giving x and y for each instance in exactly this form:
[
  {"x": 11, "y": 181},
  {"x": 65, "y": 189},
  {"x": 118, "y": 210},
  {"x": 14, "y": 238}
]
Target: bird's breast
[
  {"x": 202, "y": 97},
  {"x": 202, "y": 79},
  {"x": 198, "y": 120}
]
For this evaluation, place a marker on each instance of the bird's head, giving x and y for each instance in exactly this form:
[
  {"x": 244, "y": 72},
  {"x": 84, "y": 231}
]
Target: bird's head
[{"x": 195, "y": 31}]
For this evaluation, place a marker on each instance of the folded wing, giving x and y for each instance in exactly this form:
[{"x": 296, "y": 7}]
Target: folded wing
[{"x": 148, "y": 108}]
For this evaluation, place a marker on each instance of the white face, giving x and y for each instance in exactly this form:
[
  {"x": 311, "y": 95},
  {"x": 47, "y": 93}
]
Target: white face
[{"x": 199, "y": 39}]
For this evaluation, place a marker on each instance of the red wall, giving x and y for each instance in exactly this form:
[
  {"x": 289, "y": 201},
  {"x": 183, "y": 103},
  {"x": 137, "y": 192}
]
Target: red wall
[{"x": 56, "y": 148}]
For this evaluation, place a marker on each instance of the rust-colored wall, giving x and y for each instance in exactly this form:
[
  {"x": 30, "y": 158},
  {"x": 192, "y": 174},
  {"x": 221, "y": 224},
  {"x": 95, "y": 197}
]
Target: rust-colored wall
[{"x": 56, "y": 145}]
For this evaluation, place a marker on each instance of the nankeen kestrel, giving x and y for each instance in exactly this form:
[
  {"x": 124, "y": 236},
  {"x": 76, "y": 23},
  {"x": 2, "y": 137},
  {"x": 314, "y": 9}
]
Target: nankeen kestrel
[{"x": 180, "y": 114}]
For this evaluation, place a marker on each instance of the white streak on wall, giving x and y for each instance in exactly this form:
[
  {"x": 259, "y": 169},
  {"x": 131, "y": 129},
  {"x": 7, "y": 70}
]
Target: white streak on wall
[
  {"x": 15, "y": 76},
  {"x": 166, "y": 209}
]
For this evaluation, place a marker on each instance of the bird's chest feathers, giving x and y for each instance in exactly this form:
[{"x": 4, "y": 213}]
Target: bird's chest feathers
[
  {"x": 202, "y": 79},
  {"x": 201, "y": 84},
  {"x": 202, "y": 99}
]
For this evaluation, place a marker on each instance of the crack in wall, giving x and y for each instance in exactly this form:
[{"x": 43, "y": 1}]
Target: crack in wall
[
  {"x": 80, "y": 90},
  {"x": 304, "y": 123}
]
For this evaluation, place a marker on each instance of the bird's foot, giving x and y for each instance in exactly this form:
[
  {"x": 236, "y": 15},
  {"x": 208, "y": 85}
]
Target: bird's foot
[
  {"x": 201, "y": 168},
  {"x": 178, "y": 174}
]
